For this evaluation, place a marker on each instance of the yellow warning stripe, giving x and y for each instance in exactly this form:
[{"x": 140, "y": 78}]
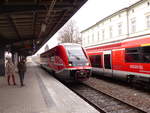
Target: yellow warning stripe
[{"x": 145, "y": 44}]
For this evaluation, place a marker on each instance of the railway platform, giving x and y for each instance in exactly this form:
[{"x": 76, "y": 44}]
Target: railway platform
[{"x": 42, "y": 93}]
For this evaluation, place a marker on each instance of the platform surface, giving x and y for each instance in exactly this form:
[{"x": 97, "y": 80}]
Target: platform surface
[{"x": 42, "y": 93}]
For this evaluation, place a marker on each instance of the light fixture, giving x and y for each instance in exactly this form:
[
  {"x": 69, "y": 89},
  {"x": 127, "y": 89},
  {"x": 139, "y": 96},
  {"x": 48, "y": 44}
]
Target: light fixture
[{"x": 43, "y": 27}]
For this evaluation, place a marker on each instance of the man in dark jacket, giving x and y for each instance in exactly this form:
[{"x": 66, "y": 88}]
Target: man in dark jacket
[{"x": 21, "y": 69}]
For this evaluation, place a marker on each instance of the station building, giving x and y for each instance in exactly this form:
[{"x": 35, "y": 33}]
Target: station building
[{"x": 129, "y": 22}]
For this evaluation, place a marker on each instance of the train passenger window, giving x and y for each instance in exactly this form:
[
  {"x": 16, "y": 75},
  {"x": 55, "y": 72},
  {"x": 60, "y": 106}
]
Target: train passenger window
[
  {"x": 145, "y": 54},
  {"x": 132, "y": 50},
  {"x": 100, "y": 61},
  {"x": 132, "y": 55},
  {"x": 138, "y": 54},
  {"x": 52, "y": 59},
  {"x": 96, "y": 61},
  {"x": 146, "y": 49},
  {"x": 107, "y": 61}
]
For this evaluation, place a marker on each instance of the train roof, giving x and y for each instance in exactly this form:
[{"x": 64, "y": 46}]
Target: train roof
[{"x": 63, "y": 44}]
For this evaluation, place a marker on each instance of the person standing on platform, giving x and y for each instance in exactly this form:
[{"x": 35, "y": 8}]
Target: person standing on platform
[
  {"x": 21, "y": 69},
  {"x": 10, "y": 71}
]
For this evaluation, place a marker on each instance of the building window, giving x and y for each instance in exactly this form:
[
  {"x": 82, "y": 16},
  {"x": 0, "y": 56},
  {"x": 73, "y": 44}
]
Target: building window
[
  {"x": 133, "y": 25},
  {"x": 93, "y": 37},
  {"x": 83, "y": 40},
  {"x": 88, "y": 40},
  {"x": 119, "y": 15},
  {"x": 148, "y": 3},
  {"x": 103, "y": 33},
  {"x": 110, "y": 32},
  {"x": 119, "y": 28},
  {"x": 148, "y": 21},
  {"x": 98, "y": 35}
]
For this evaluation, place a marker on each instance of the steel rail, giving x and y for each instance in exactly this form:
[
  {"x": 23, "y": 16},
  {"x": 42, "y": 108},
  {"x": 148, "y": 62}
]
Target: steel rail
[
  {"x": 109, "y": 96},
  {"x": 117, "y": 99}
]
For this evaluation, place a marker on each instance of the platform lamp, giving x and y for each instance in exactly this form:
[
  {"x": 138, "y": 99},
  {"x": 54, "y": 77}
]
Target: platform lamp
[{"x": 43, "y": 28}]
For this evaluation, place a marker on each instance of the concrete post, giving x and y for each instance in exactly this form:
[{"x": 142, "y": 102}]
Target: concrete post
[{"x": 2, "y": 61}]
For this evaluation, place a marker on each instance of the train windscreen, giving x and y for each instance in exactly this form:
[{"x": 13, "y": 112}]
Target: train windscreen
[{"x": 76, "y": 55}]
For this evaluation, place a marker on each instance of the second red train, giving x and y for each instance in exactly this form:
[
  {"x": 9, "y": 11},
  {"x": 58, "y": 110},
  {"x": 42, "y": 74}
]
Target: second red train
[{"x": 127, "y": 59}]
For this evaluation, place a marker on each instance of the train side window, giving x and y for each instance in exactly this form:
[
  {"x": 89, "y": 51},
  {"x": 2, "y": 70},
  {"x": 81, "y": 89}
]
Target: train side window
[
  {"x": 100, "y": 61},
  {"x": 96, "y": 61},
  {"x": 146, "y": 54},
  {"x": 107, "y": 61},
  {"x": 52, "y": 59},
  {"x": 132, "y": 55}
]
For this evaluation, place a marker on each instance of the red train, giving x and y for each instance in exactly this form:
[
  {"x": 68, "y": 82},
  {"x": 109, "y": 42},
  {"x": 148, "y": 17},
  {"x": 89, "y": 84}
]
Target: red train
[
  {"x": 127, "y": 59},
  {"x": 67, "y": 61}
]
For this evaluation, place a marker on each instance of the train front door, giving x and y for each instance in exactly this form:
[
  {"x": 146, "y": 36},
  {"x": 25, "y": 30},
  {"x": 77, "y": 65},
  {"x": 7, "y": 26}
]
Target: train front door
[{"x": 107, "y": 63}]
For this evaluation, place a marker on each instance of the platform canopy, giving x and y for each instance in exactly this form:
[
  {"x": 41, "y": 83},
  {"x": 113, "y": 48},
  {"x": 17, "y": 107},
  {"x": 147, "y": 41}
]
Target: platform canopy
[{"x": 26, "y": 25}]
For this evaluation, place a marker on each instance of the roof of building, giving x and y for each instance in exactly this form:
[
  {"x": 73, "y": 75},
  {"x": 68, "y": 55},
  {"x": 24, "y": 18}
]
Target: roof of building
[{"x": 115, "y": 13}]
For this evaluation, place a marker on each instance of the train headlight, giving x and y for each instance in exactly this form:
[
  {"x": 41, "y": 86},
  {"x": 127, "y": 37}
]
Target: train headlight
[
  {"x": 70, "y": 64},
  {"x": 87, "y": 64}
]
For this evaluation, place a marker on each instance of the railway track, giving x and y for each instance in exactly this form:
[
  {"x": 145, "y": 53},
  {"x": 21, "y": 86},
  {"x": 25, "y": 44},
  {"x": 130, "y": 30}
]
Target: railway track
[{"x": 104, "y": 103}]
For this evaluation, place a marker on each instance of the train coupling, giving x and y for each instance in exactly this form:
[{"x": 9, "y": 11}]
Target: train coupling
[{"x": 82, "y": 74}]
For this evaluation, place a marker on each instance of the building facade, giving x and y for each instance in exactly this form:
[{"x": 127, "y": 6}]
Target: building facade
[{"x": 130, "y": 22}]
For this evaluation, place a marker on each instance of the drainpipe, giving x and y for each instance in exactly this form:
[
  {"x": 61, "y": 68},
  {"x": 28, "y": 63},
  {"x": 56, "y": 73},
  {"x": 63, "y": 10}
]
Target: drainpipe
[{"x": 127, "y": 22}]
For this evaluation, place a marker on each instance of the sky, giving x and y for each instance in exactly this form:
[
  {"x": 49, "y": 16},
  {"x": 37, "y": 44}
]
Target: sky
[{"x": 92, "y": 12}]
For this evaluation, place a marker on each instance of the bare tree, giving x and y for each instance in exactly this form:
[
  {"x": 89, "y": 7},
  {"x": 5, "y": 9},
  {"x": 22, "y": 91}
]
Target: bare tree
[
  {"x": 46, "y": 48},
  {"x": 70, "y": 33}
]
